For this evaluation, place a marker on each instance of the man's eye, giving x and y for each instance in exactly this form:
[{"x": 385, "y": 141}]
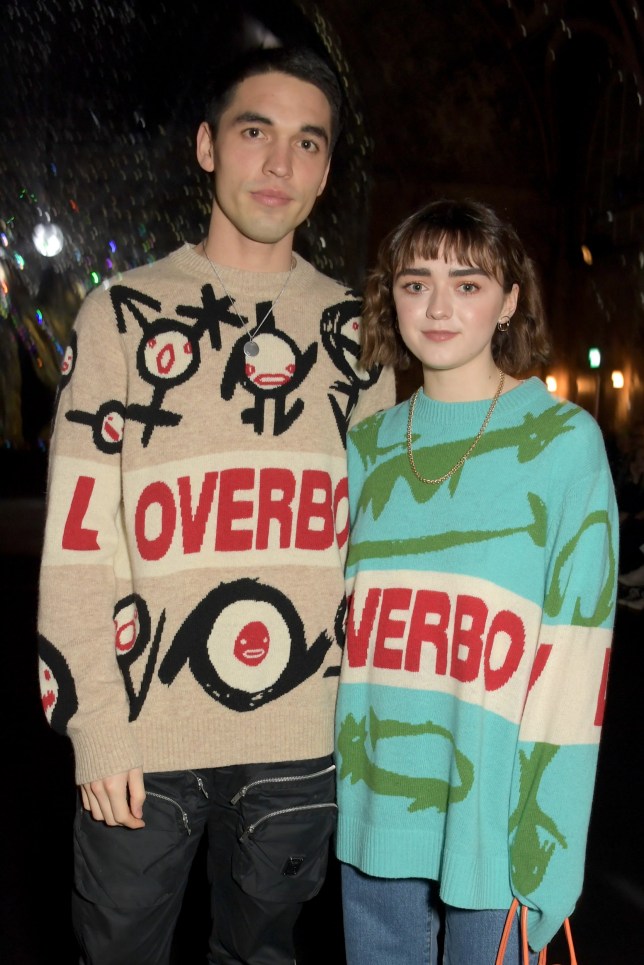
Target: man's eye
[
  {"x": 252, "y": 132},
  {"x": 309, "y": 146}
]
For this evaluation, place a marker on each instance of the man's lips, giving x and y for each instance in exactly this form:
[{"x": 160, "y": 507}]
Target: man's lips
[{"x": 271, "y": 198}]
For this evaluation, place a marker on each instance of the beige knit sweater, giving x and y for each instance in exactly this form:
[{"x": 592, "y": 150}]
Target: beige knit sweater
[{"x": 191, "y": 597}]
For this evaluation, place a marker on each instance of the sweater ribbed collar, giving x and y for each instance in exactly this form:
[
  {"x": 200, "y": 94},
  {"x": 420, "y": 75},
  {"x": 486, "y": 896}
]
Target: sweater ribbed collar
[
  {"x": 262, "y": 285},
  {"x": 453, "y": 414}
]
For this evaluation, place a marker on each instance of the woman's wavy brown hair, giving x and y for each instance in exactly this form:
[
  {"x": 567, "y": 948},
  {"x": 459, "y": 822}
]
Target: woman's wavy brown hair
[{"x": 473, "y": 234}]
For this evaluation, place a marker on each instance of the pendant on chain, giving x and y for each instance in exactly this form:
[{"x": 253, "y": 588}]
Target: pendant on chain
[{"x": 251, "y": 348}]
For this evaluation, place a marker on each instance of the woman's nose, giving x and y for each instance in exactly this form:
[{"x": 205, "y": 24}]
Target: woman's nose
[{"x": 438, "y": 305}]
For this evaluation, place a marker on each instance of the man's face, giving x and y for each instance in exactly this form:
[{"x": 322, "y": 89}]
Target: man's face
[{"x": 270, "y": 157}]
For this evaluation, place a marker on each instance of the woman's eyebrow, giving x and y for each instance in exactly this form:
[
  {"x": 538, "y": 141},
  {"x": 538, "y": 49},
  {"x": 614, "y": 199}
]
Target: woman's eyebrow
[
  {"x": 453, "y": 272},
  {"x": 459, "y": 272},
  {"x": 424, "y": 272}
]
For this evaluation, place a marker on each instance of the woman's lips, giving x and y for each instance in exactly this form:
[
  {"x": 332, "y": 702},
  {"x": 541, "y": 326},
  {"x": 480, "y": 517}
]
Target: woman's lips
[{"x": 439, "y": 336}]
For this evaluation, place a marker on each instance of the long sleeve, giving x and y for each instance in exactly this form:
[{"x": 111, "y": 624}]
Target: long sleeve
[
  {"x": 559, "y": 734},
  {"x": 478, "y": 637},
  {"x": 82, "y": 686},
  {"x": 198, "y": 500}
]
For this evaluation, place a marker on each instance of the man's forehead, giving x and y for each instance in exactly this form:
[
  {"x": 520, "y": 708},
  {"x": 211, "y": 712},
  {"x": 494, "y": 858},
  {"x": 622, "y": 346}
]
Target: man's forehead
[{"x": 279, "y": 89}]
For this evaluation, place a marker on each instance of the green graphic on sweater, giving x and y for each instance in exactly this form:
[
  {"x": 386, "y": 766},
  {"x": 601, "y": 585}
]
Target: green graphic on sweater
[
  {"x": 417, "y": 545},
  {"x": 530, "y": 439},
  {"x": 425, "y": 792},
  {"x": 529, "y": 856},
  {"x": 556, "y": 592}
]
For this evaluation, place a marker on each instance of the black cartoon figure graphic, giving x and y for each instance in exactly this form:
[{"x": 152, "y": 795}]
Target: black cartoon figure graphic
[
  {"x": 211, "y": 314},
  {"x": 57, "y": 689},
  {"x": 278, "y": 369},
  {"x": 69, "y": 360},
  {"x": 132, "y": 627},
  {"x": 107, "y": 425},
  {"x": 340, "y": 333},
  {"x": 66, "y": 371},
  {"x": 168, "y": 355},
  {"x": 246, "y": 645}
]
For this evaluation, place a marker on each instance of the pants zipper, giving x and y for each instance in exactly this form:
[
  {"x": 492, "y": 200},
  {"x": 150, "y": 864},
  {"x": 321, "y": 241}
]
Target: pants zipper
[
  {"x": 281, "y": 780},
  {"x": 250, "y": 830},
  {"x": 164, "y": 797},
  {"x": 200, "y": 782}
]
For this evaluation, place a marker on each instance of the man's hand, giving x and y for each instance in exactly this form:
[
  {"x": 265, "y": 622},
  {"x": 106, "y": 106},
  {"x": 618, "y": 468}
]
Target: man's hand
[{"x": 117, "y": 800}]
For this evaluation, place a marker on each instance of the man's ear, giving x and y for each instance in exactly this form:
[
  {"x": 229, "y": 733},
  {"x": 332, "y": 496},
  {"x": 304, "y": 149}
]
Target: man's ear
[{"x": 205, "y": 151}]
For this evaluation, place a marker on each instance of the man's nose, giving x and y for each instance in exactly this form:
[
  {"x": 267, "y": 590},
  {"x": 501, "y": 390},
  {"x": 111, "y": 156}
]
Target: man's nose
[{"x": 278, "y": 160}]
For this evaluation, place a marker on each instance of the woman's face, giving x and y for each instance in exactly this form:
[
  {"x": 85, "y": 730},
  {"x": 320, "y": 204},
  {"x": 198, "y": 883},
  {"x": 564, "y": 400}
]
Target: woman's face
[{"x": 448, "y": 312}]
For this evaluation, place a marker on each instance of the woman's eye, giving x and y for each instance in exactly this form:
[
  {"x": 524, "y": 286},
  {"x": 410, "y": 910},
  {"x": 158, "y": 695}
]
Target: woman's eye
[
  {"x": 468, "y": 287},
  {"x": 415, "y": 287}
]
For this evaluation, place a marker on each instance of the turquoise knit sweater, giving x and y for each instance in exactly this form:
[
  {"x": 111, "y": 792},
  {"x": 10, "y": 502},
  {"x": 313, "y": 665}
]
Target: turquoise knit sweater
[{"x": 479, "y": 631}]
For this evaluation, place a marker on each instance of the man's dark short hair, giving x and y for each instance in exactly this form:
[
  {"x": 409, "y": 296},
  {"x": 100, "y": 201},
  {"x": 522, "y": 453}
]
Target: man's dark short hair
[{"x": 300, "y": 62}]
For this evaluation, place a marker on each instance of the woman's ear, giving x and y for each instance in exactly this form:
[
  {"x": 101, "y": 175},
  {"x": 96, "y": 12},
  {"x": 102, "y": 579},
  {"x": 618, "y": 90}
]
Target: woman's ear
[{"x": 510, "y": 301}]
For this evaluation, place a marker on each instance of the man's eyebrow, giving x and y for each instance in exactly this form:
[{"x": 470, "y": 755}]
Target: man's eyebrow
[
  {"x": 316, "y": 131},
  {"x": 250, "y": 117}
]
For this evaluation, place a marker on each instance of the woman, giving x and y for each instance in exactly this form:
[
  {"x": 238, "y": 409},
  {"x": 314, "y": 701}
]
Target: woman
[{"x": 481, "y": 583}]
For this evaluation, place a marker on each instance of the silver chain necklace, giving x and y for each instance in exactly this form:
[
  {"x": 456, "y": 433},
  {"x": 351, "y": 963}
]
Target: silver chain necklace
[
  {"x": 251, "y": 348},
  {"x": 465, "y": 456}
]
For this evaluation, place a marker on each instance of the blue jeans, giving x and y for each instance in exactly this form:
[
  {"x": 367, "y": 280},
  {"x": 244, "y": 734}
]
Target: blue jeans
[{"x": 396, "y": 921}]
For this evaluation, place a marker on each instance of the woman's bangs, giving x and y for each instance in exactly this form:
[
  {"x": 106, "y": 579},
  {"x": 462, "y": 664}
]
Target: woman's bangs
[{"x": 464, "y": 247}]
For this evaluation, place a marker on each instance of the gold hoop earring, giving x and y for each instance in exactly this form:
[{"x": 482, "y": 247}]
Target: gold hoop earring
[{"x": 503, "y": 323}]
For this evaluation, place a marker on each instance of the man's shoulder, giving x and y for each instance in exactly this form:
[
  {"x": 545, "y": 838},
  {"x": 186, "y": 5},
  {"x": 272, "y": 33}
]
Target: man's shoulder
[
  {"x": 147, "y": 282},
  {"x": 142, "y": 276},
  {"x": 334, "y": 289}
]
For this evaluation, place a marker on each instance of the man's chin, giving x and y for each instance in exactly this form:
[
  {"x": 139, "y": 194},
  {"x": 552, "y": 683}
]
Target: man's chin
[{"x": 269, "y": 234}]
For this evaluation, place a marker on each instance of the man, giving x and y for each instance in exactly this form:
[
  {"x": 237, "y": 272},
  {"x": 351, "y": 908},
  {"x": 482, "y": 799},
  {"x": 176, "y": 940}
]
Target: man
[{"x": 191, "y": 601}]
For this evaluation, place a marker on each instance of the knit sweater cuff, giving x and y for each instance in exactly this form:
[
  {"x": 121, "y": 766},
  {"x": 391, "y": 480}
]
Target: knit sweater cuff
[
  {"x": 102, "y": 753},
  {"x": 543, "y": 926}
]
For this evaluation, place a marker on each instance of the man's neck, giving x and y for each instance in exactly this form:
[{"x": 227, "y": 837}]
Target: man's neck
[{"x": 227, "y": 246}]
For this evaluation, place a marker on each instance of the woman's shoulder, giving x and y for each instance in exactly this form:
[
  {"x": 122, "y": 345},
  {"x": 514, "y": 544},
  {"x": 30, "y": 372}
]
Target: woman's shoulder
[{"x": 384, "y": 420}]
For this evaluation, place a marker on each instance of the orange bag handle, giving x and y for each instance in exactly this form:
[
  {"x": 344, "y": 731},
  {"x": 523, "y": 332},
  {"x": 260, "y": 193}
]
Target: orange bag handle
[{"x": 523, "y": 924}]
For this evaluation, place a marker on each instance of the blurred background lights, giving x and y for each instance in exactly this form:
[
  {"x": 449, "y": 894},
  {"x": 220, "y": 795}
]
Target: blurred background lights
[
  {"x": 617, "y": 378},
  {"x": 587, "y": 254},
  {"x": 48, "y": 239},
  {"x": 551, "y": 383},
  {"x": 594, "y": 358}
]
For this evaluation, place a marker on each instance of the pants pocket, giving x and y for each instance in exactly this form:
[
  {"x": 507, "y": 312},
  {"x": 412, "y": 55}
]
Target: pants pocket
[
  {"x": 133, "y": 867},
  {"x": 285, "y": 828}
]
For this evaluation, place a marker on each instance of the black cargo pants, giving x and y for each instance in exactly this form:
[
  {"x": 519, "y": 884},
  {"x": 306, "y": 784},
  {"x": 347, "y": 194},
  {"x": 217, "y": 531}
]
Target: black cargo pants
[{"x": 268, "y": 829}]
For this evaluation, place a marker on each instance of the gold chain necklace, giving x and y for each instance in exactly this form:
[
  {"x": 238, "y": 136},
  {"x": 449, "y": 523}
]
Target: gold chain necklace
[
  {"x": 251, "y": 348},
  {"x": 466, "y": 455}
]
